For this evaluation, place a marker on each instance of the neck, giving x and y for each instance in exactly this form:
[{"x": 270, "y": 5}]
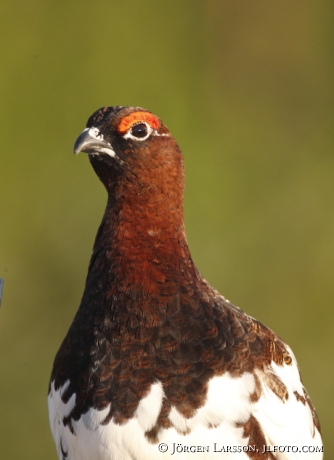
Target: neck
[{"x": 141, "y": 249}]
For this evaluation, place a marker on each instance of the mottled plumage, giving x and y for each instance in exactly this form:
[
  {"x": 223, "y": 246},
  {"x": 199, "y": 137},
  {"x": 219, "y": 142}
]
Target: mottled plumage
[{"x": 154, "y": 353}]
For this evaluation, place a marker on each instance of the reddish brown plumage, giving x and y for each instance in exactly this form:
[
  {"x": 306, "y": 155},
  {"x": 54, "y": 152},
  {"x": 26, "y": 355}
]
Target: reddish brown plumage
[
  {"x": 146, "y": 313},
  {"x": 253, "y": 431}
]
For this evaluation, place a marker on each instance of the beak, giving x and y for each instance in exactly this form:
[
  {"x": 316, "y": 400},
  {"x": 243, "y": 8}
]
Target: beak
[{"x": 91, "y": 141}]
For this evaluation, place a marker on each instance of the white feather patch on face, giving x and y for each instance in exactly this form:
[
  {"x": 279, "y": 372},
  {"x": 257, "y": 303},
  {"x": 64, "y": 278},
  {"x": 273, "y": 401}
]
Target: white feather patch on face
[
  {"x": 155, "y": 133},
  {"x": 96, "y": 134}
]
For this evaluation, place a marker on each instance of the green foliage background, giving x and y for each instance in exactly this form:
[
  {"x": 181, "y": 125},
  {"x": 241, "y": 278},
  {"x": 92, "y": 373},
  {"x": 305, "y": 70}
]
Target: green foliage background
[{"x": 247, "y": 89}]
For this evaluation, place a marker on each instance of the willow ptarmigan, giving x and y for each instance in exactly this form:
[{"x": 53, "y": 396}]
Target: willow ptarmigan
[{"x": 157, "y": 364}]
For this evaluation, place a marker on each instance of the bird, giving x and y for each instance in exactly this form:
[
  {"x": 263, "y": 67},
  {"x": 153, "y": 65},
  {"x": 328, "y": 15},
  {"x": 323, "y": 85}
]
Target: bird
[{"x": 156, "y": 363}]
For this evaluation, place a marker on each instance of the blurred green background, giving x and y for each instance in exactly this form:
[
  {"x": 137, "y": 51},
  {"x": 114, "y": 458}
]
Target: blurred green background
[{"x": 247, "y": 90}]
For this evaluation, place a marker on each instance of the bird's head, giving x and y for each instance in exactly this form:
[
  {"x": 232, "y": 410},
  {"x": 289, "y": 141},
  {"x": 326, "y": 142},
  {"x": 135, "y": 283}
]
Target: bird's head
[{"x": 131, "y": 145}]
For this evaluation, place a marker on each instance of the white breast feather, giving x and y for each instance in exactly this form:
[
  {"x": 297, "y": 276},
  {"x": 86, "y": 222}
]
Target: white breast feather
[
  {"x": 149, "y": 407},
  {"x": 289, "y": 423},
  {"x": 228, "y": 403}
]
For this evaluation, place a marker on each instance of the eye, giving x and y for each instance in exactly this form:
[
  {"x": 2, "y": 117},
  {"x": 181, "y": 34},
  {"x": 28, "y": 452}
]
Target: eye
[{"x": 140, "y": 130}]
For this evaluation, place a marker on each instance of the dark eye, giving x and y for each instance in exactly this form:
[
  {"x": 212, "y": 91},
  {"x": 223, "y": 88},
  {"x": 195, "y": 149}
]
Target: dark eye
[{"x": 139, "y": 130}]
